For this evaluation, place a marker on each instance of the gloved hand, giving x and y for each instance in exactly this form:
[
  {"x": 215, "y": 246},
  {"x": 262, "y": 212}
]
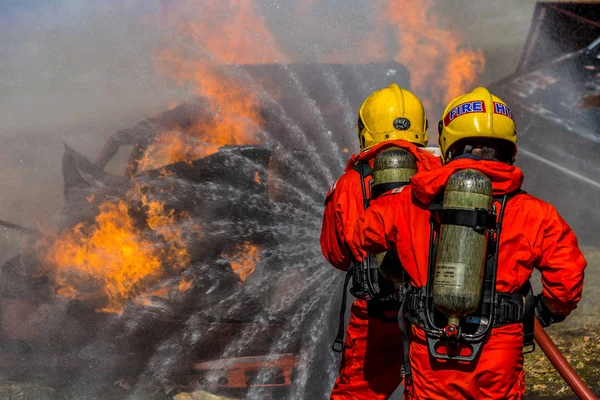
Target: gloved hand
[{"x": 544, "y": 315}]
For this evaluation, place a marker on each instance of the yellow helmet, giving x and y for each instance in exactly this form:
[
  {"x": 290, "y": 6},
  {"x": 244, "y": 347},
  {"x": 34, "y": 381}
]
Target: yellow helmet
[
  {"x": 478, "y": 114},
  {"x": 391, "y": 113}
]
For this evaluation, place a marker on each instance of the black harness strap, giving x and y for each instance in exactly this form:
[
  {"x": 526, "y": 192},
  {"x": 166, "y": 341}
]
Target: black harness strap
[
  {"x": 364, "y": 169},
  {"x": 528, "y": 319},
  {"x": 378, "y": 190},
  {"x": 510, "y": 307},
  {"x": 338, "y": 344},
  {"x": 405, "y": 335},
  {"x": 490, "y": 270},
  {"x": 478, "y": 219}
]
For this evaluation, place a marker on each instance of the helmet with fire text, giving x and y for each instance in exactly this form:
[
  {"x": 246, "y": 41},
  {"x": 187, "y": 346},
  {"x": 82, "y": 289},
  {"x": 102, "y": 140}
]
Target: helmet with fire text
[
  {"x": 477, "y": 117},
  {"x": 391, "y": 113}
]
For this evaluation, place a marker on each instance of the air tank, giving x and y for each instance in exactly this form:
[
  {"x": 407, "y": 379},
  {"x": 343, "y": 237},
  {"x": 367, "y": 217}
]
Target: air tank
[
  {"x": 461, "y": 252},
  {"x": 392, "y": 165}
]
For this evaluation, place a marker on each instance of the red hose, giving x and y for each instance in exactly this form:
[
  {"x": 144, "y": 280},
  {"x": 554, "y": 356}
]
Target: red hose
[{"x": 562, "y": 366}]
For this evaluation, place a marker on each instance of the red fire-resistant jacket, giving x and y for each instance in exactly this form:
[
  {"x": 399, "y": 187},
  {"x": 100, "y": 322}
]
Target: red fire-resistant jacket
[
  {"x": 366, "y": 370},
  {"x": 533, "y": 234},
  {"x": 344, "y": 201}
]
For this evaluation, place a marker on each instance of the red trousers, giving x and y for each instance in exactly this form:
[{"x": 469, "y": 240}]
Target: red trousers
[
  {"x": 496, "y": 374},
  {"x": 371, "y": 364}
]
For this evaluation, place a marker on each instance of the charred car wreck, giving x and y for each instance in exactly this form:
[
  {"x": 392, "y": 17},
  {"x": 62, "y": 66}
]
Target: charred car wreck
[{"x": 229, "y": 232}]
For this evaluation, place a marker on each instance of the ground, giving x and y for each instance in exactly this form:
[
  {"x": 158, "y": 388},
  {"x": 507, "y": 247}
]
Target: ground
[
  {"x": 578, "y": 338},
  {"x": 581, "y": 346}
]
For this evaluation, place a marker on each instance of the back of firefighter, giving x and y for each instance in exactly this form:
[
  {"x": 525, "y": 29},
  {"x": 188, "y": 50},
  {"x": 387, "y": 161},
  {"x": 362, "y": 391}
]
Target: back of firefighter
[
  {"x": 477, "y": 131},
  {"x": 390, "y": 117}
]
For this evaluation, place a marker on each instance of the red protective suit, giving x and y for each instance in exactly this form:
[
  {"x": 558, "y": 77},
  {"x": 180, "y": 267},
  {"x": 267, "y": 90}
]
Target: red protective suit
[
  {"x": 533, "y": 236},
  {"x": 366, "y": 370}
]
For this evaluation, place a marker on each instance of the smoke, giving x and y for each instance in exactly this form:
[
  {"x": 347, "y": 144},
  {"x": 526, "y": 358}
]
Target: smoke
[
  {"x": 79, "y": 71},
  {"x": 498, "y": 28},
  {"x": 72, "y": 64},
  {"x": 71, "y": 71}
]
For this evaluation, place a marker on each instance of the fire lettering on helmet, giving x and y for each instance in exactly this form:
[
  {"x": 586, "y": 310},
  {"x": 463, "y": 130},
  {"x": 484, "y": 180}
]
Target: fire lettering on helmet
[
  {"x": 476, "y": 106},
  {"x": 503, "y": 109}
]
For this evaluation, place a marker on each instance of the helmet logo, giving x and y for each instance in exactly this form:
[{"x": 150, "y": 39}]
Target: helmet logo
[
  {"x": 477, "y": 106},
  {"x": 503, "y": 109},
  {"x": 401, "y": 124}
]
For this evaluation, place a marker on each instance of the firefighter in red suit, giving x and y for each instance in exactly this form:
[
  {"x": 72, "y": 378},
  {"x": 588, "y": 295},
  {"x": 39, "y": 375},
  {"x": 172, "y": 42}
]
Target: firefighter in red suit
[
  {"x": 390, "y": 117},
  {"x": 477, "y": 131}
]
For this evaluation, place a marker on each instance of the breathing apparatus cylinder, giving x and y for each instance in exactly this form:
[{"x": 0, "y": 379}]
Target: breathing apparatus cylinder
[
  {"x": 461, "y": 253},
  {"x": 392, "y": 168}
]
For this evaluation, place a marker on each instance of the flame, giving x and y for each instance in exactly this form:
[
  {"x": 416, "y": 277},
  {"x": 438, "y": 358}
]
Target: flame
[
  {"x": 210, "y": 37},
  {"x": 145, "y": 299},
  {"x": 198, "y": 56},
  {"x": 184, "y": 285},
  {"x": 243, "y": 260},
  {"x": 439, "y": 65},
  {"x": 114, "y": 254}
]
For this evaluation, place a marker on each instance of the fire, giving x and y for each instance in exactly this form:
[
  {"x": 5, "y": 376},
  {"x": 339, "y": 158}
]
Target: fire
[
  {"x": 184, "y": 285},
  {"x": 440, "y": 67},
  {"x": 113, "y": 255},
  {"x": 257, "y": 178},
  {"x": 243, "y": 260},
  {"x": 209, "y": 36},
  {"x": 145, "y": 299}
]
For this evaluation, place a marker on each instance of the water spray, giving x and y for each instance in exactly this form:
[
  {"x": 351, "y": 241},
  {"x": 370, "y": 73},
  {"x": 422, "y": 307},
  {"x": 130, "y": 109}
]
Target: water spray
[{"x": 564, "y": 170}]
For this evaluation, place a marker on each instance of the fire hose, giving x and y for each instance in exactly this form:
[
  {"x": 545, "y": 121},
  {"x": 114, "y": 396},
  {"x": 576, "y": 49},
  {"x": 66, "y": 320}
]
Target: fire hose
[{"x": 561, "y": 364}]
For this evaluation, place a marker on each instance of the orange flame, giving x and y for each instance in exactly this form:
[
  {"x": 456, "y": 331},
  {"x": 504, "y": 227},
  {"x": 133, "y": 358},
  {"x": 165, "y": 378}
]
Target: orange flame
[
  {"x": 113, "y": 255},
  {"x": 257, "y": 178},
  {"x": 184, "y": 285},
  {"x": 439, "y": 66},
  {"x": 243, "y": 260},
  {"x": 198, "y": 57}
]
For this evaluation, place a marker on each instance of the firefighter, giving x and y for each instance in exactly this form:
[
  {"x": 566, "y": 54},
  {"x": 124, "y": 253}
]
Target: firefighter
[
  {"x": 390, "y": 117},
  {"x": 477, "y": 135}
]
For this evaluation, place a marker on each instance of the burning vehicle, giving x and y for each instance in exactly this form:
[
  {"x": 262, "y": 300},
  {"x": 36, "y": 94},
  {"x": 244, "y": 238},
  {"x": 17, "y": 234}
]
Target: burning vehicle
[
  {"x": 186, "y": 256},
  {"x": 176, "y": 269}
]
